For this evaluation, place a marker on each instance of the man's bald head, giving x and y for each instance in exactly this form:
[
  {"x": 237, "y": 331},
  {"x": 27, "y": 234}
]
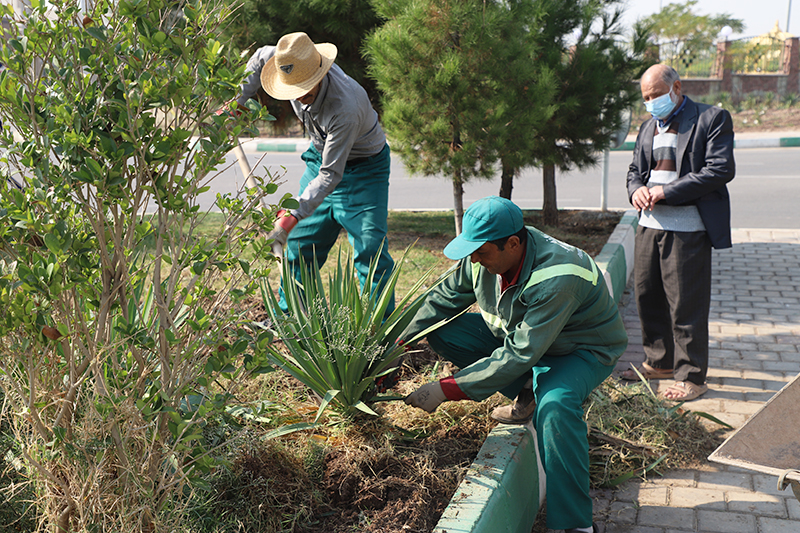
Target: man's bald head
[
  {"x": 658, "y": 80},
  {"x": 661, "y": 72}
]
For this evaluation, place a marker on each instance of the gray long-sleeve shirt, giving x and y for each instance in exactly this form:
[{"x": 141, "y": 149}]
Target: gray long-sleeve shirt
[
  {"x": 343, "y": 126},
  {"x": 252, "y": 82}
]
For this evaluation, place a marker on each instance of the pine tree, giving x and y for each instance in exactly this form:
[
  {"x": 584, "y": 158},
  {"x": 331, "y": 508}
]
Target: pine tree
[
  {"x": 448, "y": 71},
  {"x": 595, "y": 85}
]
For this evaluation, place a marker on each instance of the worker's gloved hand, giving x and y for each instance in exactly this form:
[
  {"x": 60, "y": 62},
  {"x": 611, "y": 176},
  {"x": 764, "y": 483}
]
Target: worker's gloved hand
[
  {"x": 283, "y": 225},
  {"x": 226, "y": 110},
  {"x": 427, "y": 397},
  {"x": 387, "y": 381}
]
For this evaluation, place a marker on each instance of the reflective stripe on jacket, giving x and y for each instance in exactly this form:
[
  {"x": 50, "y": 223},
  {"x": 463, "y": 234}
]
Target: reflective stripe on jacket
[{"x": 559, "y": 305}]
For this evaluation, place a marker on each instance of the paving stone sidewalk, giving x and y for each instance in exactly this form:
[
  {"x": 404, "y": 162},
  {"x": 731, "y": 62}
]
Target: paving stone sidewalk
[{"x": 754, "y": 352}]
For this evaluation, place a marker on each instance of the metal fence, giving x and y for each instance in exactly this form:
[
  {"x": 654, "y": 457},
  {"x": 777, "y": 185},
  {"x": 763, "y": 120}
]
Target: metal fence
[
  {"x": 748, "y": 55},
  {"x": 756, "y": 55},
  {"x": 692, "y": 59}
]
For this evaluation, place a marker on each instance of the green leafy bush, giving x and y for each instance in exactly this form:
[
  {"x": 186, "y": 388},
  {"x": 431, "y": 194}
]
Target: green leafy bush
[{"x": 119, "y": 335}]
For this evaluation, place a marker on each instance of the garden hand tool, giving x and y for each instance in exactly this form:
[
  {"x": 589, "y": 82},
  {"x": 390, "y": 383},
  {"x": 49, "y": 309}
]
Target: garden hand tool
[{"x": 246, "y": 170}]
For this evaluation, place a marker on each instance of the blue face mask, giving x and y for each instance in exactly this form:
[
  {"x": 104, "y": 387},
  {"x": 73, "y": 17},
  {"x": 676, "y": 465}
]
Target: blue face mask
[{"x": 662, "y": 106}]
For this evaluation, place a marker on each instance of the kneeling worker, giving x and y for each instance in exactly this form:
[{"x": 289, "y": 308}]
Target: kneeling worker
[{"x": 547, "y": 334}]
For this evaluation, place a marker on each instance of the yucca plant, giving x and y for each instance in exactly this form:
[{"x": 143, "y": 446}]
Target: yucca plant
[{"x": 339, "y": 342}]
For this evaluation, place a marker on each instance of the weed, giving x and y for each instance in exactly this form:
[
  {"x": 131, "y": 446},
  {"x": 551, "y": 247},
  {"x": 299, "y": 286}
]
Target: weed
[{"x": 632, "y": 432}]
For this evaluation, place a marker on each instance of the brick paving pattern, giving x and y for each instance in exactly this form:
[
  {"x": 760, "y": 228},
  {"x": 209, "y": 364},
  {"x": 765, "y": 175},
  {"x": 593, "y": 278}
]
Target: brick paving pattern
[{"x": 754, "y": 352}]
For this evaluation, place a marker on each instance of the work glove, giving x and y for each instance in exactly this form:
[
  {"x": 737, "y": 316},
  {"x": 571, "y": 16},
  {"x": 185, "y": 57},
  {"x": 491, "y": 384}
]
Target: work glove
[
  {"x": 226, "y": 110},
  {"x": 427, "y": 397},
  {"x": 283, "y": 225},
  {"x": 387, "y": 381}
]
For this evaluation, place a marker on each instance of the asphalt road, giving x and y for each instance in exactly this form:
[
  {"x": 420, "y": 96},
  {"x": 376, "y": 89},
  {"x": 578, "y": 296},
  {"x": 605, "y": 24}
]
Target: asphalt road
[{"x": 763, "y": 194}]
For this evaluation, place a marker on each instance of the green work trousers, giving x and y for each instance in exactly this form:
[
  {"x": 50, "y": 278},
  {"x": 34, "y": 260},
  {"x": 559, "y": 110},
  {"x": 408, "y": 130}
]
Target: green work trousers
[
  {"x": 359, "y": 204},
  {"x": 560, "y": 385}
]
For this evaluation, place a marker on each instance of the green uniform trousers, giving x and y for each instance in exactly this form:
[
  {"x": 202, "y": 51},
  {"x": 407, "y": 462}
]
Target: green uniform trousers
[
  {"x": 560, "y": 385},
  {"x": 359, "y": 204}
]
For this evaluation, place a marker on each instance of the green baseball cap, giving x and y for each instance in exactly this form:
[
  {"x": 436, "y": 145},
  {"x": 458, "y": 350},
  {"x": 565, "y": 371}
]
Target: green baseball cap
[{"x": 488, "y": 219}]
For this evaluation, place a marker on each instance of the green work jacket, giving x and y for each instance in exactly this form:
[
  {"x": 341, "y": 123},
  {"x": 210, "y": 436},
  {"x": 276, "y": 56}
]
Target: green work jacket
[{"x": 559, "y": 305}]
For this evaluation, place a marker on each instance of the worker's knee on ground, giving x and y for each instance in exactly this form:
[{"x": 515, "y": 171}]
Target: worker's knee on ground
[{"x": 437, "y": 342}]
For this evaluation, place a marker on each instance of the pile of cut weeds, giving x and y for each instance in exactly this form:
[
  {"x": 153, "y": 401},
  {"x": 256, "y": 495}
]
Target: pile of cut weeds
[{"x": 395, "y": 473}]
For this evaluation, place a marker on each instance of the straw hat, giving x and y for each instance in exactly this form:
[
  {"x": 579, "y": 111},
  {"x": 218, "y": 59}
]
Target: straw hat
[{"x": 297, "y": 66}]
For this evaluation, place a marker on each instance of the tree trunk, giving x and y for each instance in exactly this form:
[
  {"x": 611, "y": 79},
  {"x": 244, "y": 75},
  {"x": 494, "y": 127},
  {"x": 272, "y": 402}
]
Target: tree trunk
[
  {"x": 507, "y": 180},
  {"x": 550, "y": 205},
  {"x": 458, "y": 200}
]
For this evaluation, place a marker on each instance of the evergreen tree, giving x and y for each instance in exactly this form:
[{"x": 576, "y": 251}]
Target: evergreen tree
[
  {"x": 595, "y": 85},
  {"x": 679, "y": 22},
  {"x": 342, "y": 22},
  {"x": 448, "y": 71}
]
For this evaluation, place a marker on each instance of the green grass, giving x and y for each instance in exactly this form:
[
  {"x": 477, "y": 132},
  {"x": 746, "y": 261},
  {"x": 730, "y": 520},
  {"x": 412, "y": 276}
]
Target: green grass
[{"x": 428, "y": 232}]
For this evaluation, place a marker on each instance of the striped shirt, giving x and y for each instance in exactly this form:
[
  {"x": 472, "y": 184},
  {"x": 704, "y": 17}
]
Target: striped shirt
[{"x": 663, "y": 216}]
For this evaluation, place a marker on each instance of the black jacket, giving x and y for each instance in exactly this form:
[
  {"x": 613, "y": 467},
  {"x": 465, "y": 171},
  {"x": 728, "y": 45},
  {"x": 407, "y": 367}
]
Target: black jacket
[{"x": 704, "y": 161}]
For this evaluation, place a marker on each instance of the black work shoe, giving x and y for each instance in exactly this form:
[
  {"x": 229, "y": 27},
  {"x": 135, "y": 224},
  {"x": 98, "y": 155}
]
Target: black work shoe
[{"x": 519, "y": 412}]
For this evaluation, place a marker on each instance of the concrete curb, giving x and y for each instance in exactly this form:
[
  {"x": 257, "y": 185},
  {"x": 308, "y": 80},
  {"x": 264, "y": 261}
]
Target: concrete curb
[
  {"x": 282, "y": 146},
  {"x": 497, "y": 493},
  {"x": 615, "y": 260},
  {"x": 500, "y": 489}
]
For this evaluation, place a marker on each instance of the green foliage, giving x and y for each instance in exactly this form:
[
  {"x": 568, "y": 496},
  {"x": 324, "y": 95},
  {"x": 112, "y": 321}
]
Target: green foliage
[
  {"x": 678, "y": 22},
  {"x": 720, "y": 99},
  {"x": 595, "y": 84},
  {"x": 338, "y": 342},
  {"x": 594, "y": 88},
  {"x": 468, "y": 83},
  {"x": 432, "y": 61},
  {"x": 341, "y": 22},
  {"x": 452, "y": 74},
  {"x": 120, "y": 334}
]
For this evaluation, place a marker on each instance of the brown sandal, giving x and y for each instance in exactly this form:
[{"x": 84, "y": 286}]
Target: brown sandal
[
  {"x": 685, "y": 391},
  {"x": 648, "y": 372}
]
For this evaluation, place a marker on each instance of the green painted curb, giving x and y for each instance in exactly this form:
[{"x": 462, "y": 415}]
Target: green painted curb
[
  {"x": 502, "y": 491},
  {"x": 626, "y": 146},
  {"x": 276, "y": 147},
  {"x": 608, "y": 260},
  {"x": 615, "y": 260},
  {"x": 789, "y": 142},
  {"x": 505, "y": 485}
]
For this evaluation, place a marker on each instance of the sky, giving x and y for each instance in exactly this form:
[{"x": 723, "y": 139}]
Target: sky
[{"x": 759, "y": 16}]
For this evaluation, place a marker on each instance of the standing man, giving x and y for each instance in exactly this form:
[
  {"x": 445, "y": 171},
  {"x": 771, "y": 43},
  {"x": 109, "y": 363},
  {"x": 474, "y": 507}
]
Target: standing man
[
  {"x": 346, "y": 181},
  {"x": 548, "y": 333},
  {"x": 681, "y": 162}
]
